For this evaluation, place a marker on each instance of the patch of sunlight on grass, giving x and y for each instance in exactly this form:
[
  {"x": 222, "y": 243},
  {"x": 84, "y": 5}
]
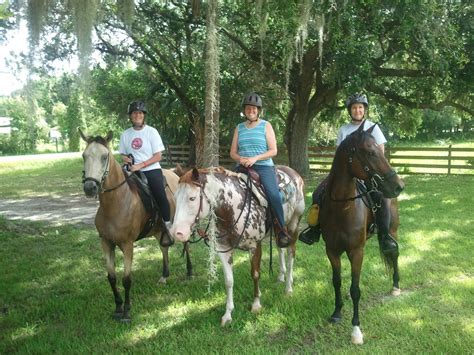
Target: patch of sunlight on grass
[
  {"x": 462, "y": 278},
  {"x": 268, "y": 323},
  {"x": 412, "y": 316},
  {"x": 29, "y": 330},
  {"x": 405, "y": 197}
]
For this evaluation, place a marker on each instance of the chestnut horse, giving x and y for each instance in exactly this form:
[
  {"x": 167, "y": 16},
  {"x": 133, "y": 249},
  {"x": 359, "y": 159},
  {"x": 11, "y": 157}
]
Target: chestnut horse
[
  {"x": 241, "y": 221},
  {"x": 345, "y": 215},
  {"x": 121, "y": 216}
]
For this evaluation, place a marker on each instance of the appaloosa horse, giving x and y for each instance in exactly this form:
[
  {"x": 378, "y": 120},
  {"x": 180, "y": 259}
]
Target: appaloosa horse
[
  {"x": 241, "y": 220},
  {"x": 121, "y": 216},
  {"x": 345, "y": 213}
]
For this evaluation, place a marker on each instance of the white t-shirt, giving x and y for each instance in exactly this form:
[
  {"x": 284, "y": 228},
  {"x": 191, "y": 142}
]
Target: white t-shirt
[
  {"x": 142, "y": 144},
  {"x": 347, "y": 129}
]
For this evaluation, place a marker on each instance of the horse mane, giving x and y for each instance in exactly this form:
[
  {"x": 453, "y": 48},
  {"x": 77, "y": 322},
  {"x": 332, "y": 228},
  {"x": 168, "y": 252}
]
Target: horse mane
[
  {"x": 100, "y": 140},
  {"x": 187, "y": 177}
]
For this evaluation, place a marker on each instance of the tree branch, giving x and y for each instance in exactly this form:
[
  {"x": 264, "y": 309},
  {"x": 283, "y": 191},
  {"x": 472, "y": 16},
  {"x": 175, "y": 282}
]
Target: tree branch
[{"x": 393, "y": 97}]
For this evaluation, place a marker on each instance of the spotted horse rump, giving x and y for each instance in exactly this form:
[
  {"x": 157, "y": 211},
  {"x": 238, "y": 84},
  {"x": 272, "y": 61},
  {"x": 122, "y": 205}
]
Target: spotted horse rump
[{"x": 241, "y": 220}]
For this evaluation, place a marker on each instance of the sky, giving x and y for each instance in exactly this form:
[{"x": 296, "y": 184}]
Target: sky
[{"x": 17, "y": 42}]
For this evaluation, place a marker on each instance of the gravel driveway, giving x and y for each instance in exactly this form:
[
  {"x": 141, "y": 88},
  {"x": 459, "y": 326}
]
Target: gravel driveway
[{"x": 66, "y": 210}]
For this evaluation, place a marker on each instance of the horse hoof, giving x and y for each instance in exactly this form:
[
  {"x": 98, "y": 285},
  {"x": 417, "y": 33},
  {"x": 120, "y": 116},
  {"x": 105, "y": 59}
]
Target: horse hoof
[
  {"x": 334, "y": 319},
  {"x": 281, "y": 278},
  {"x": 356, "y": 337},
  {"x": 125, "y": 320},
  {"x": 162, "y": 280},
  {"x": 396, "y": 292},
  {"x": 256, "y": 308},
  {"x": 225, "y": 321},
  {"x": 117, "y": 316}
]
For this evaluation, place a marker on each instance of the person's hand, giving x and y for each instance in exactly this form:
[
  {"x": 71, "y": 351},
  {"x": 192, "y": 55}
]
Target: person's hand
[
  {"x": 126, "y": 159},
  {"x": 135, "y": 167},
  {"x": 247, "y": 162}
]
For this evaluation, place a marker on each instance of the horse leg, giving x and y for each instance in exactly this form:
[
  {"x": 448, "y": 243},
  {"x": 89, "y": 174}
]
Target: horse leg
[
  {"x": 256, "y": 257},
  {"x": 189, "y": 265},
  {"x": 166, "y": 263},
  {"x": 226, "y": 259},
  {"x": 356, "y": 257},
  {"x": 335, "y": 261},
  {"x": 109, "y": 253},
  {"x": 291, "y": 251},
  {"x": 127, "y": 280},
  {"x": 396, "y": 277},
  {"x": 281, "y": 265}
]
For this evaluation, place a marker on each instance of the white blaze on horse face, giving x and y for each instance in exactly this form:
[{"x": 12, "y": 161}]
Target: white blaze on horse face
[
  {"x": 187, "y": 209},
  {"x": 95, "y": 161}
]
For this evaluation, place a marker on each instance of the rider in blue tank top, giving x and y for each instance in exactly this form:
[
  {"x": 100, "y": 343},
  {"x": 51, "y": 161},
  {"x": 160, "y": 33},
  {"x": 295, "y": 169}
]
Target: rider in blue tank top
[{"x": 254, "y": 145}]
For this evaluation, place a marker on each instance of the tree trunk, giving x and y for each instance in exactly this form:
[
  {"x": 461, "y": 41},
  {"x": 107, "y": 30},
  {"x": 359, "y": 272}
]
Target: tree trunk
[
  {"x": 211, "y": 125},
  {"x": 297, "y": 140}
]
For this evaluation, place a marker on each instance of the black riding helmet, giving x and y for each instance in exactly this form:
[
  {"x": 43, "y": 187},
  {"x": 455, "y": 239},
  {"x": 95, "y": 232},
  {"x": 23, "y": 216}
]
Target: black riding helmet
[
  {"x": 356, "y": 99},
  {"x": 137, "y": 106},
  {"x": 252, "y": 99}
]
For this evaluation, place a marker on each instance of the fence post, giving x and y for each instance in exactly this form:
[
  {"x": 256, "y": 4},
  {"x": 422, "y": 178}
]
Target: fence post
[{"x": 449, "y": 159}]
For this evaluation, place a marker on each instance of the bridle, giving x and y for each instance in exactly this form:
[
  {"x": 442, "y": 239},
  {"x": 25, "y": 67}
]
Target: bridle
[
  {"x": 202, "y": 195},
  {"x": 372, "y": 177},
  {"x": 104, "y": 176}
]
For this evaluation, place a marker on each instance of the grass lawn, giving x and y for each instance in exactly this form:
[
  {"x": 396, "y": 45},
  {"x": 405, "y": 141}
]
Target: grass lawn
[{"x": 55, "y": 298}]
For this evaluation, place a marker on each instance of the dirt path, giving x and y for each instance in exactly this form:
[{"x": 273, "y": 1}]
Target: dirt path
[{"x": 66, "y": 210}]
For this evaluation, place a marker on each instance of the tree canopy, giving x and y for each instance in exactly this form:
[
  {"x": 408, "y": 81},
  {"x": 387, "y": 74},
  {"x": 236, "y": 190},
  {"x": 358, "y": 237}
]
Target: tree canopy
[{"x": 303, "y": 57}]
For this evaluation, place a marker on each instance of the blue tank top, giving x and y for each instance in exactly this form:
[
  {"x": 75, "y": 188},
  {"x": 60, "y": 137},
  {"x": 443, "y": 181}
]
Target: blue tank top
[{"x": 253, "y": 141}]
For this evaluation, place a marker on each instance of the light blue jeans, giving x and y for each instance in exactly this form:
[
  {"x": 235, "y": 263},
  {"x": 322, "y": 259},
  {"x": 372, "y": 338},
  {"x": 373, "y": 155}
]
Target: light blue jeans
[{"x": 269, "y": 181}]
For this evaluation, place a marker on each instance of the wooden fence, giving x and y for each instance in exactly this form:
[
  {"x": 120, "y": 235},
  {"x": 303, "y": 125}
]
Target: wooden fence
[
  {"x": 409, "y": 160},
  {"x": 413, "y": 160}
]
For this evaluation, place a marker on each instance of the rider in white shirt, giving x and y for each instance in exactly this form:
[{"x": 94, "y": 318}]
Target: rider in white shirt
[
  {"x": 357, "y": 106},
  {"x": 145, "y": 144}
]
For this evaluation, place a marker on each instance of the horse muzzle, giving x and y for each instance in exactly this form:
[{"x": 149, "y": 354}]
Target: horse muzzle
[
  {"x": 392, "y": 188},
  {"x": 91, "y": 188},
  {"x": 181, "y": 234}
]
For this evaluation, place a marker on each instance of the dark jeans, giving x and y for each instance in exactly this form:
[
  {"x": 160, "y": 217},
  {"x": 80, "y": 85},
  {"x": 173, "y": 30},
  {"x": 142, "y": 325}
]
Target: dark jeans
[
  {"x": 155, "y": 181},
  {"x": 269, "y": 182}
]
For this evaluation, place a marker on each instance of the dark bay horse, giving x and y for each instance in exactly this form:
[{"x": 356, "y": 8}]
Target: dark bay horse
[
  {"x": 241, "y": 221},
  {"x": 345, "y": 216},
  {"x": 121, "y": 215}
]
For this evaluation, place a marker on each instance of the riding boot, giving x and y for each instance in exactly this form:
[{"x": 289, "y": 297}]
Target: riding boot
[
  {"x": 166, "y": 240},
  {"x": 388, "y": 244},
  {"x": 283, "y": 239}
]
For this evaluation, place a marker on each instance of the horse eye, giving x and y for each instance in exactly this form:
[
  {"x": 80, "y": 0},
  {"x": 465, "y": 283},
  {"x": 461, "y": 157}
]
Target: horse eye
[{"x": 192, "y": 198}]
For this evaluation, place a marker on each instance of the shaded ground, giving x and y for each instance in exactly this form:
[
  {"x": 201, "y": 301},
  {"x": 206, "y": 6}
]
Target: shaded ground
[{"x": 65, "y": 210}]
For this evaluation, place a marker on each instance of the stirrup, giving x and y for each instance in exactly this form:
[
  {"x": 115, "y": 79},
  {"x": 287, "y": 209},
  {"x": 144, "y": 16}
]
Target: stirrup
[{"x": 310, "y": 235}]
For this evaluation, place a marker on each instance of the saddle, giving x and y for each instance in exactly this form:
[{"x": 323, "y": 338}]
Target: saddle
[{"x": 286, "y": 189}]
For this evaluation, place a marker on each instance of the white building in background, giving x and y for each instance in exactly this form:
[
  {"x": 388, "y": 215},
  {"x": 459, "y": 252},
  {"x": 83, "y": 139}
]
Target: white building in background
[{"x": 5, "y": 125}]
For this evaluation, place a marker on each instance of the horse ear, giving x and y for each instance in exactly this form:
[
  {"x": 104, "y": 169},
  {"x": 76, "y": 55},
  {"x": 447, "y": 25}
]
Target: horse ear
[
  {"x": 371, "y": 128},
  {"x": 195, "y": 174},
  {"x": 361, "y": 127},
  {"x": 83, "y": 136},
  {"x": 109, "y": 136}
]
